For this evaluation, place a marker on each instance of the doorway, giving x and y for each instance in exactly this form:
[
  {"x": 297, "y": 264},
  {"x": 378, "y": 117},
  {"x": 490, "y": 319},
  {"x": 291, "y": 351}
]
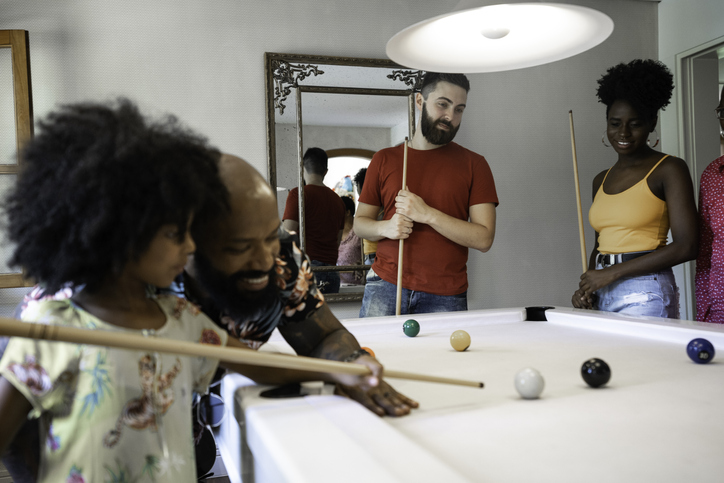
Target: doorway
[{"x": 699, "y": 76}]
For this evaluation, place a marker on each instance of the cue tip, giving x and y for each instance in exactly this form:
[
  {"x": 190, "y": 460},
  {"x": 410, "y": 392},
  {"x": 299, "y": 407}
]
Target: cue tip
[{"x": 481, "y": 385}]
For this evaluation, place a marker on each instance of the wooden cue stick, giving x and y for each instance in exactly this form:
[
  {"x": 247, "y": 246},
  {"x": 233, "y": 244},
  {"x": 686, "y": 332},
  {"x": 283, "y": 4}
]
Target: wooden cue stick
[
  {"x": 402, "y": 242},
  {"x": 15, "y": 328},
  {"x": 584, "y": 262}
]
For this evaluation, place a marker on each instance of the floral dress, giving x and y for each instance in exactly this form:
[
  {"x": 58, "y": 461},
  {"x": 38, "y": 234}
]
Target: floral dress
[{"x": 113, "y": 415}]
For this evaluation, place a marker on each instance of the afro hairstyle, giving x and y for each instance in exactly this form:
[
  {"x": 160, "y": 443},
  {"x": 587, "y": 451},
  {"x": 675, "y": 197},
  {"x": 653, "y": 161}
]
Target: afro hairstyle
[
  {"x": 97, "y": 183},
  {"x": 646, "y": 84}
]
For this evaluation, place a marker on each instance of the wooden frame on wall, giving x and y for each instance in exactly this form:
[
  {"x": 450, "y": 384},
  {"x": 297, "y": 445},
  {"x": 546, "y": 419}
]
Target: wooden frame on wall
[{"x": 17, "y": 42}]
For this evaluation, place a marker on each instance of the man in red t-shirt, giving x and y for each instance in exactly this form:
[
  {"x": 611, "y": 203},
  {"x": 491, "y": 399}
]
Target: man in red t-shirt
[
  {"x": 323, "y": 215},
  {"x": 447, "y": 207}
]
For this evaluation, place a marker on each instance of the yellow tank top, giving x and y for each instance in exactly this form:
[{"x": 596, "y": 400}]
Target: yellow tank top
[
  {"x": 634, "y": 220},
  {"x": 369, "y": 246}
]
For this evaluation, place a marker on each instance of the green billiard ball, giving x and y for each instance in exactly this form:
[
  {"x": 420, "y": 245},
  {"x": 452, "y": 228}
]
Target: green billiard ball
[{"x": 411, "y": 328}]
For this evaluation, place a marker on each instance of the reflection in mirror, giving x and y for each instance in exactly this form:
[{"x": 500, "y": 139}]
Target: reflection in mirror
[
  {"x": 345, "y": 167},
  {"x": 333, "y": 103}
]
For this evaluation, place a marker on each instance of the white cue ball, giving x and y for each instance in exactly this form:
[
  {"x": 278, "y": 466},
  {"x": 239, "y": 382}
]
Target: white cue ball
[{"x": 529, "y": 383}]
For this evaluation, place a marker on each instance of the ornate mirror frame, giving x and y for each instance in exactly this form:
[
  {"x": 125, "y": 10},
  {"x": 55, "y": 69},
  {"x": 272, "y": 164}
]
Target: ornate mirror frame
[{"x": 288, "y": 76}]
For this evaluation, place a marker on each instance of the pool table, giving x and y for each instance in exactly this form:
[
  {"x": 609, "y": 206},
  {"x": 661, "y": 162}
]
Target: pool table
[{"x": 659, "y": 419}]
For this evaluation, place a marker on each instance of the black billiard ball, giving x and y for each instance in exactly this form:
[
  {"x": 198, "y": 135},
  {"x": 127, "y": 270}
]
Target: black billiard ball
[
  {"x": 595, "y": 372},
  {"x": 700, "y": 351}
]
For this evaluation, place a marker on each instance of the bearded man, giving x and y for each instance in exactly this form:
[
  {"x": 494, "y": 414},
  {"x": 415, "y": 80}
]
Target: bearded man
[{"x": 447, "y": 207}]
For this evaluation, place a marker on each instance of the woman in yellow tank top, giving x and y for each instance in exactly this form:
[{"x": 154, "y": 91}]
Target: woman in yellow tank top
[{"x": 637, "y": 201}]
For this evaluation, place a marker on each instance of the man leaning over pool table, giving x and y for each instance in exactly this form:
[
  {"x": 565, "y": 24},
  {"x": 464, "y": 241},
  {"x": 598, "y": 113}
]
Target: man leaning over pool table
[{"x": 249, "y": 277}]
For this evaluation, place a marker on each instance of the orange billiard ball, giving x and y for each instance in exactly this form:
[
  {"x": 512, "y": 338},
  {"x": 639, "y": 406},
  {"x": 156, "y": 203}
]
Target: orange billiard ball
[{"x": 369, "y": 350}]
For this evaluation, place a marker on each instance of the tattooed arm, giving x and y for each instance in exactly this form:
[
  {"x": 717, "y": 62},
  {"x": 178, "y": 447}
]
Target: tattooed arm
[{"x": 322, "y": 335}]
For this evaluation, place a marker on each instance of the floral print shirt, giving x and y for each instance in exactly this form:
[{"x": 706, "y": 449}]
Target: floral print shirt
[
  {"x": 710, "y": 262},
  {"x": 111, "y": 414},
  {"x": 299, "y": 297}
]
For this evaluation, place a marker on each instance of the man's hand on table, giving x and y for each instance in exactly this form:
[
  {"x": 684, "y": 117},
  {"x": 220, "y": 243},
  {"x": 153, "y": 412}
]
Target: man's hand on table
[{"x": 373, "y": 392}]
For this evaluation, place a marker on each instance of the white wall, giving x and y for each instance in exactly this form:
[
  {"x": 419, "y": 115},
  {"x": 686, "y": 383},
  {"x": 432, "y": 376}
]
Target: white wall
[{"x": 204, "y": 62}]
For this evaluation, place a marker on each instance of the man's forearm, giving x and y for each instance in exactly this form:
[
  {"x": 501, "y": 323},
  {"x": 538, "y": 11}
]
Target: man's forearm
[
  {"x": 462, "y": 232},
  {"x": 336, "y": 346},
  {"x": 368, "y": 228}
]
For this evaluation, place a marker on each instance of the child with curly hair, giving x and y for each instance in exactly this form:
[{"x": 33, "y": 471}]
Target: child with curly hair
[
  {"x": 104, "y": 201},
  {"x": 637, "y": 201}
]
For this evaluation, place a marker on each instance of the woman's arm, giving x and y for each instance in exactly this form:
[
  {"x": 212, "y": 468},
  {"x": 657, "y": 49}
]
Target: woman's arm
[
  {"x": 581, "y": 299},
  {"x": 14, "y": 409}
]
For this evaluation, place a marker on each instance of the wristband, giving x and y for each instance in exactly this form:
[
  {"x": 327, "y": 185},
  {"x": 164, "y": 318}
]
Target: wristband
[{"x": 356, "y": 355}]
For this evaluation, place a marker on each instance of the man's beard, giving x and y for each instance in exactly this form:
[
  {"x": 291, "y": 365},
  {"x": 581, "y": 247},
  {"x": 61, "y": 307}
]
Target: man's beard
[
  {"x": 228, "y": 297},
  {"x": 434, "y": 135}
]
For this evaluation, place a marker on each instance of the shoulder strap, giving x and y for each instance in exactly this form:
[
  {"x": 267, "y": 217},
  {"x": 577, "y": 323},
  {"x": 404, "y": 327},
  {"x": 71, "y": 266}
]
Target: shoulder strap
[
  {"x": 604, "y": 178},
  {"x": 655, "y": 166}
]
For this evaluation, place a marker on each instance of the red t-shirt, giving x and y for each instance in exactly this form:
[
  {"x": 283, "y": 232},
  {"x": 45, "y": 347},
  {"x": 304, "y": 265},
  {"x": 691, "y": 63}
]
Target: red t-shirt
[
  {"x": 450, "y": 179},
  {"x": 324, "y": 218}
]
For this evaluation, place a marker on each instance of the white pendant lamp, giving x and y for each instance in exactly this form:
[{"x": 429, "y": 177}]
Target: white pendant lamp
[{"x": 501, "y": 37}]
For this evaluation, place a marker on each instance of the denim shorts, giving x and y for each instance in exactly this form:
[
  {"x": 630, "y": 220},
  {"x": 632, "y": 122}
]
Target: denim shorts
[
  {"x": 654, "y": 294},
  {"x": 380, "y": 299}
]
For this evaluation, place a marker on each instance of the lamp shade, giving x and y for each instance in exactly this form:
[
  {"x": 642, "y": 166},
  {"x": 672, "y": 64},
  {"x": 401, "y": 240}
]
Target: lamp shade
[{"x": 499, "y": 37}]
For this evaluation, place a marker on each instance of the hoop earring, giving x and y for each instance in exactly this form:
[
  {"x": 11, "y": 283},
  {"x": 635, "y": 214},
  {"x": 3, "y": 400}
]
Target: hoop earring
[
  {"x": 648, "y": 141},
  {"x": 603, "y": 139},
  {"x": 721, "y": 132}
]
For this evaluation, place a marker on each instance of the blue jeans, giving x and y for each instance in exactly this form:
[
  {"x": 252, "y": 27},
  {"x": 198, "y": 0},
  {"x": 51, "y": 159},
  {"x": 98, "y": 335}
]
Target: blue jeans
[
  {"x": 654, "y": 294},
  {"x": 381, "y": 299}
]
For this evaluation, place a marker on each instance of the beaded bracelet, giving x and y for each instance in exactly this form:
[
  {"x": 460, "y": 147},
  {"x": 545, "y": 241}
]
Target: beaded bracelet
[{"x": 356, "y": 355}]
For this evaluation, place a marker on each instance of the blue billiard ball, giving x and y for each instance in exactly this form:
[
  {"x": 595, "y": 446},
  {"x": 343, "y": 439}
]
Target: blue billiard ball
[
  {"x": 411, "y": 328},
  {"x": 700, "y": 351}
]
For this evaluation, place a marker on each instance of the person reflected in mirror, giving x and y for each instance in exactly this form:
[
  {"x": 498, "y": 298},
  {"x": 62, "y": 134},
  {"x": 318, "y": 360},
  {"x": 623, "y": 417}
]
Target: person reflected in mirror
[
  {"x": 323, "y": 218},
  {"x": 637, "y": 201},
  {"x": 369, "y": 247},
  {"x": 447, "y": 207},
  {"x": 710, "y": 261},
  {"x": 350, "y": 250}
]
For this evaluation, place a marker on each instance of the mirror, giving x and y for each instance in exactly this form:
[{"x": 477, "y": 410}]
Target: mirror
[{"x": 337, "y": 104}]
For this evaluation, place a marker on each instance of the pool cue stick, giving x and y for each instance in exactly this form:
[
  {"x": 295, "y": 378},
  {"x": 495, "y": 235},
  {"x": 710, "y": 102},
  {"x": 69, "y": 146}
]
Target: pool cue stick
[
  {"x": 15, "y": 328},
  {"x": 584, "y": 262},
  {"x": 402, "y": 242}
]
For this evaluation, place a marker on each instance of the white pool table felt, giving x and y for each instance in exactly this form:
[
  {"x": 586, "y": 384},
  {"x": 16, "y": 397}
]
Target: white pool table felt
[{"x": 660, "y": 418}]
